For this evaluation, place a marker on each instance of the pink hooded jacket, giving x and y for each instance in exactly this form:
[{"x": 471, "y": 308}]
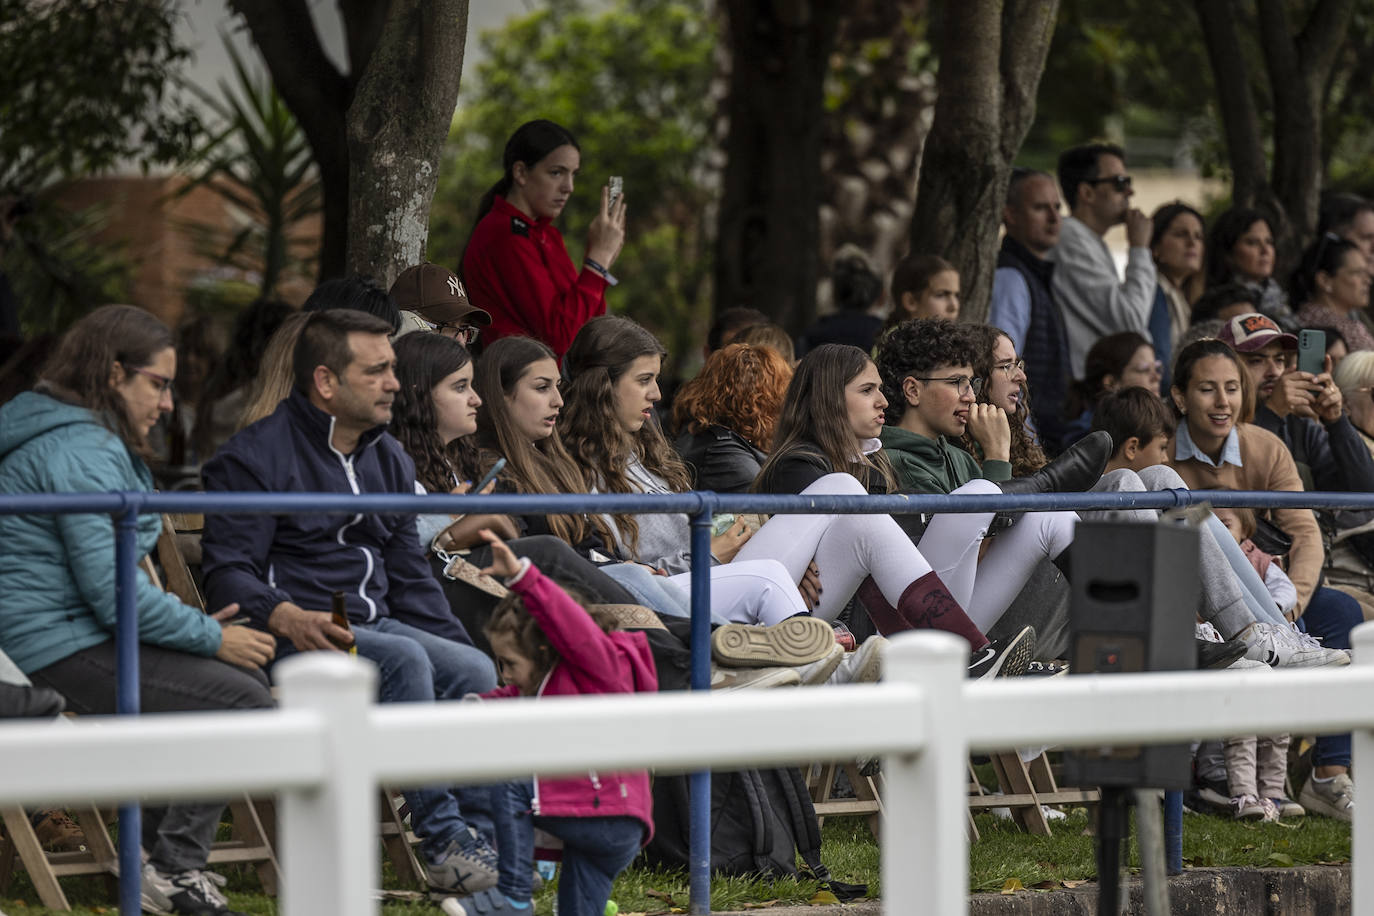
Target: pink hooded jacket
[{"x": 592, "y": 662}]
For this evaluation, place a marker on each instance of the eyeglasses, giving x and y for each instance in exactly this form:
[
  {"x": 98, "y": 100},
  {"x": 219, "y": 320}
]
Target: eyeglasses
[
  {"x": 164, "y": 384},
  {"x": 1118, "y": 182},
  {"x": 962, "y": 383},
  {"x": 1011, "y": 368},
  {"x": 465, "y": 334}
]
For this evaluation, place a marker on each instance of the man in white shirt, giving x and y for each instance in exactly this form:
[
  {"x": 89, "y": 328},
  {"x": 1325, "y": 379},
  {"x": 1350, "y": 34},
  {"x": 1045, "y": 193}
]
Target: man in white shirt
[{"x": 1088, "y": 290}]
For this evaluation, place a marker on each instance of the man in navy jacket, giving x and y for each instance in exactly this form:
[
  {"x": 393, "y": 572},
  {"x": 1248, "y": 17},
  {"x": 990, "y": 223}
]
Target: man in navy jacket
[{"x": 330, "y": 435}]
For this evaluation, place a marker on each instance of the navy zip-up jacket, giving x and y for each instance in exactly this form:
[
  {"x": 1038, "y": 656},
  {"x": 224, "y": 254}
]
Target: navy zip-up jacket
[{"x": 263, "y": 560}]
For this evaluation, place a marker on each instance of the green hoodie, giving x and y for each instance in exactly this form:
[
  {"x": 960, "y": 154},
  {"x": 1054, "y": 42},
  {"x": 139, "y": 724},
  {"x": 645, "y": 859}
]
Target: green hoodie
[{"x": 925, "y": 465}]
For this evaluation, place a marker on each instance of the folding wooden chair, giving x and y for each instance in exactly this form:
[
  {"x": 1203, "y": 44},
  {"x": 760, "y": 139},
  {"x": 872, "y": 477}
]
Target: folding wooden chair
[
  {"x": 1025, "y": 787},
  {"x": 867, "y": 800}
]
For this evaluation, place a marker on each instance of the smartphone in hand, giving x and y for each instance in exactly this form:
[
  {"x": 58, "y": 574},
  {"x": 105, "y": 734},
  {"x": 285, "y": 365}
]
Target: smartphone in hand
[
  {"x": 616, "y": 187},
  {"x": 1311, "y": 351}
]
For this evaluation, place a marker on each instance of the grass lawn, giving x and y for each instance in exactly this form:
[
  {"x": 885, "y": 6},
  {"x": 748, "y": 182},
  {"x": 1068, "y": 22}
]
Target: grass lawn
[{"x": 1003, "y": 854}]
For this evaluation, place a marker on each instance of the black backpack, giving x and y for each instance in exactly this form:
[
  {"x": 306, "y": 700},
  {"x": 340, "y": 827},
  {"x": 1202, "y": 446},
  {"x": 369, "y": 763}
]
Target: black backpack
[{"x": 760, "y": 820}]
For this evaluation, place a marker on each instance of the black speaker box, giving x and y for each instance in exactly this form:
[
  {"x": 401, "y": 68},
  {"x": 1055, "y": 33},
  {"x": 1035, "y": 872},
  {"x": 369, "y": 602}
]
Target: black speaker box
[{"x": 1134, "y": 604}]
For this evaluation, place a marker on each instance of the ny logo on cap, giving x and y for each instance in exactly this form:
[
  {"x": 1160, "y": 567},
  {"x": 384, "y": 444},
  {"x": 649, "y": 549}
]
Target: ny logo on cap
[{"x": 456, "y": 288}]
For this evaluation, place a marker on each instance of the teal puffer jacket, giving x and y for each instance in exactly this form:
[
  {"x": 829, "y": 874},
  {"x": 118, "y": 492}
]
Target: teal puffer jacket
[{"x": 57, "y": 572}]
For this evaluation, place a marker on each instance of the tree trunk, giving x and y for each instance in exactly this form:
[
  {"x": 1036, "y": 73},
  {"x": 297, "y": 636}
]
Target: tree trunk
[
  {"x": 1298, "y": 70},
  {"x": 397, "y": 125},
  {"x": 992, "y": 54},
  {"x": 1239, "y": 114},
  {"x": 318, "y": 95},
  {"x": 766, "y": 246}
]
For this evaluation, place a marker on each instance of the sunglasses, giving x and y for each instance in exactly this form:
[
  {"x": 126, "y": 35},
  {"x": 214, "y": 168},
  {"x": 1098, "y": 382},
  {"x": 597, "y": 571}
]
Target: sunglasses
[{"x": 1119, "y": 182}]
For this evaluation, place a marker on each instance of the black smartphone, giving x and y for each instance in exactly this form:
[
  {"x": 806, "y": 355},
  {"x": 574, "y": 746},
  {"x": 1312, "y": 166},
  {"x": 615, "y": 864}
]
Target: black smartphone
[
  {"x": 1311, "y": 351},
  {"x": 489, "y": 476}
]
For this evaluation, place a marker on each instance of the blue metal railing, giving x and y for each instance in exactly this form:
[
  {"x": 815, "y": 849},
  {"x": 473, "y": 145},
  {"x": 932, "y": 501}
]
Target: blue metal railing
[{"x": 699, "y": 506}]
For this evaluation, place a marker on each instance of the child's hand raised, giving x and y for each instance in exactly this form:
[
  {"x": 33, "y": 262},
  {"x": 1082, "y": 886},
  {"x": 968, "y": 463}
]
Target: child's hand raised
[{"x": 503, "y": 560}]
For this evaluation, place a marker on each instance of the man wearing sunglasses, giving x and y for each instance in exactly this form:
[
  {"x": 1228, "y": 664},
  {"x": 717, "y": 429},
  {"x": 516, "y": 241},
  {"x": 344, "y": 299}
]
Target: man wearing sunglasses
[
  {"x": 1094, "y": 300},
  {"x": 436, "y": 296}
]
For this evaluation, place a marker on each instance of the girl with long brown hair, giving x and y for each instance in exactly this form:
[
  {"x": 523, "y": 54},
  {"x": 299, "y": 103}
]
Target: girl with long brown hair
[{"x": 615, "y": 363}]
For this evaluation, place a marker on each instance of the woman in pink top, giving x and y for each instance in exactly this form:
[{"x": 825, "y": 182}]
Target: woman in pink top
[{"x": 546, "y": 644}]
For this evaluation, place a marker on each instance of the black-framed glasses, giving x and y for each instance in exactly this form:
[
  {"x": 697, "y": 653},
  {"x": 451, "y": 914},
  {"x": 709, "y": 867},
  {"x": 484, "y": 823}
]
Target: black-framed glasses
[
  {"x": 962, "y": 383},
  {"x": 465, "y": 334},
  {"x": 1118, "y": 182},
  {"x": 1011, "y": 368}
]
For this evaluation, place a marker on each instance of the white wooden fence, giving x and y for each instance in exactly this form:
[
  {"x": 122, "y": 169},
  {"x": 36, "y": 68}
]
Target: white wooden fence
[{"x": 327, "y": 748}]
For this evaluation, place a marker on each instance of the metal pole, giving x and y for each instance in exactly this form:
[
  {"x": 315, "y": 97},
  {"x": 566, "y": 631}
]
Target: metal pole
[
  {"x": 127, "y": 700},
  {"x": 1149, "y": 832},
  {"x": 699, "y": 833},
  {"x": 1362, "y": 767},
  {"x": 1173, "y": 832},
  {"x": 924, "y": 843},
  {"x": 329, "y": 833}
]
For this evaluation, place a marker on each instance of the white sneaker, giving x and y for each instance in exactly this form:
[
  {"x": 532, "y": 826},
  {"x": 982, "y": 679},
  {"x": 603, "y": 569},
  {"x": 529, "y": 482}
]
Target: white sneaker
[
  {"x": 819, "y": 672},
  {"x": 863, "y": 665},
  {"x": 1308, "y": 641},
  {"x": 1333, "y": 798},
  {"x": 740, "y": 678},
  {"x": 1280, "y": 647}
]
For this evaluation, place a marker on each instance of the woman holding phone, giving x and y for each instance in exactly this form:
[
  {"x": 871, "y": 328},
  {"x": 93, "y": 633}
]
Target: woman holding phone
[
  {"x": 516, "y": 265},
  {"x": 433, "y": 418}
]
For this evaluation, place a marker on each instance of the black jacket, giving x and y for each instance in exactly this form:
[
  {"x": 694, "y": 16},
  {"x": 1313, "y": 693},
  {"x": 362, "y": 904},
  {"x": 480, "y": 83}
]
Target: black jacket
[
  {"x": 1330, "y": 457},
  {"x": 720, "y": 459}
]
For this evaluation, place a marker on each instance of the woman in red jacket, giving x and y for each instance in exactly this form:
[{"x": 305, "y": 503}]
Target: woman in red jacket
[{"x": 516, "y": 265}]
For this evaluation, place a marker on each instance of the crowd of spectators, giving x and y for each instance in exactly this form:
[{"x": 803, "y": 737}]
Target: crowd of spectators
[{"x": 510, "y": 374}]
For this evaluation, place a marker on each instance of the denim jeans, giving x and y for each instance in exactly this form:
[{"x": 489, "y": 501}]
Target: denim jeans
[
  {"x": 177, "y": 837},
  {"x": 1329, "y": 616},
  {"x": 415, "y": 666},
  {"x": 595, "y": 850}
]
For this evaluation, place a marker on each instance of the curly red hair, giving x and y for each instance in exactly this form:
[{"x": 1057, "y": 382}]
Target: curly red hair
[{"x": 741, "y": 387}]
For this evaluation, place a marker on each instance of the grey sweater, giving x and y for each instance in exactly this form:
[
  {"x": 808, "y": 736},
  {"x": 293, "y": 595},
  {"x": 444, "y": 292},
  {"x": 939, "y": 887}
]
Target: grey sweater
[
  {"x": 664, "y": 539},
  {"x": 1093, "y": 299}
]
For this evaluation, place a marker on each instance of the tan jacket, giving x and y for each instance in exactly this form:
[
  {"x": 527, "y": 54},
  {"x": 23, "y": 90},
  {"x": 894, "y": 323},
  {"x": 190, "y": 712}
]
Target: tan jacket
[{"x": 1268, "y": 466}]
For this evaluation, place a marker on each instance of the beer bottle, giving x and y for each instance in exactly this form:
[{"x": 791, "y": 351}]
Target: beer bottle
[{"x": 339, "y": 618}]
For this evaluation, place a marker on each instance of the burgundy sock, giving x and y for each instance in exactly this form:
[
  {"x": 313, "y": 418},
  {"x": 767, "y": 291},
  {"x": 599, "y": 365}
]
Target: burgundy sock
[{"x": 925, "y": 604}]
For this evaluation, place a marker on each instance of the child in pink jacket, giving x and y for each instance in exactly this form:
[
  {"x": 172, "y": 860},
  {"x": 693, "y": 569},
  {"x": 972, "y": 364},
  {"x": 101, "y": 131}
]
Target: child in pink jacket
[{"x": 546, "y": 644}]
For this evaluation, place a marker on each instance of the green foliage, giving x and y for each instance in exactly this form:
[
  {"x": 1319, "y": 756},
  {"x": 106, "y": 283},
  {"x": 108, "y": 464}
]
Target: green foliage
[
  {"x": 631, "y": 80},
  {"x": 85, "y": 85},
  {"x": 61, "y": 270},
  {"x": 261, "y": 164}
]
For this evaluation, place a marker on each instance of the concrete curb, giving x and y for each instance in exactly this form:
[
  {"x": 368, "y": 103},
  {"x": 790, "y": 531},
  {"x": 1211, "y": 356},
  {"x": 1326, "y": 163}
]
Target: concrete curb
[{"x": 1312, "y": 890}]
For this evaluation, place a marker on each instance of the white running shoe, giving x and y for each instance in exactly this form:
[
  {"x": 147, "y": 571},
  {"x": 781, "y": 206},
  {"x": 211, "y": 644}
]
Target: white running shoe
[{"x": 1280, "y": 647}]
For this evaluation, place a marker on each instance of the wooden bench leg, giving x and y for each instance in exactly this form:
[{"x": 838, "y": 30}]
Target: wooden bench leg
[{"x": 31, "y": 855}]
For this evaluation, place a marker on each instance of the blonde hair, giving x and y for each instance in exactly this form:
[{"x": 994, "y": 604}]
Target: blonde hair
[{"x": 275, "y": 372}]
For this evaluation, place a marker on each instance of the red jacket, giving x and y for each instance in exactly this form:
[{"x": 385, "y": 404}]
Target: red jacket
[
  {"x": 592, "y": 662},
  {"x": 518, "y": 270}
]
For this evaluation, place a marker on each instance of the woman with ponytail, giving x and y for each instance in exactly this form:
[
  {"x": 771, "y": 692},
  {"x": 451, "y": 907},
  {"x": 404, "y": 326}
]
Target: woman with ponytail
[{"x": 516, "y": 265}]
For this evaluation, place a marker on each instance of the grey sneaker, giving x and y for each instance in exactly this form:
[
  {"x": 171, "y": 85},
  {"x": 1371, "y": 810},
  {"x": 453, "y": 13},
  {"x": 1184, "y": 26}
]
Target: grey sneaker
[
  {"x": 1334, "y": 798},
  {"x": 463, "y": 871}
]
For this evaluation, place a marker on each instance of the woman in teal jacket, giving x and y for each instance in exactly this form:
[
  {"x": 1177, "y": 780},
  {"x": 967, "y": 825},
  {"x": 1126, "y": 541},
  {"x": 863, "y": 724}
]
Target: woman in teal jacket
[{"x": 84, "y": 429}]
